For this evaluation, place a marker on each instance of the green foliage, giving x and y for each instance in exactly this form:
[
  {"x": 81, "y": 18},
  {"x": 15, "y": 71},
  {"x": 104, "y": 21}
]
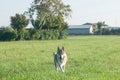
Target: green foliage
[
  {"x": 115, "y": 32},
  {"x": 26, "y": 34},
  {"x": 49, "y": 14},
  {"x": 100, "y": 29},
  {"x": 108, "y": 31},
  {"x": 36, "y": 24},
  {"x": 32, "y": 32},
  {"x": 7, "y": 34},
  {"x": 36, "y": 35},
  {"x": 57, "y": 23},
  {"x": 63, "y": 34},
  {"x": 18, "y": 22},
  {"x": 88, "y": 59},
  {"x": 49, "y": 22},
  {"x": 49, "y": 34},
  {"x": 111, "y": 32}
]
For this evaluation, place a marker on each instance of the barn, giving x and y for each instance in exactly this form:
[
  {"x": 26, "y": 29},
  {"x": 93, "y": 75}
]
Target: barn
[{"x": 80, "y": 29}]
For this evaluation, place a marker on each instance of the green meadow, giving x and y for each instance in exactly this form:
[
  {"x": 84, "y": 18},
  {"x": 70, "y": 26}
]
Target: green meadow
[{"x": 89, "y": 58}]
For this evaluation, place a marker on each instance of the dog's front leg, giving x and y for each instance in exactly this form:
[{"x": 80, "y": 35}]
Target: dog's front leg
[{"x": 62, "y": 68}]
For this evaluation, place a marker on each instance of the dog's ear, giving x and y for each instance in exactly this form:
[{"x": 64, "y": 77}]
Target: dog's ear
[{"x": 62, "y": 48}]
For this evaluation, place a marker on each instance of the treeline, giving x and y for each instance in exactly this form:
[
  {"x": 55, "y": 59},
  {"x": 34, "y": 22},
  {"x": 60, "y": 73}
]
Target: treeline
[
  {"x": 107, "y": 31},
  {"x": 47, "y": 18},
  {"x": 9, "y": 34},
  {"x": 101, "y": 30},
  {"x": 111, "y": 32}
]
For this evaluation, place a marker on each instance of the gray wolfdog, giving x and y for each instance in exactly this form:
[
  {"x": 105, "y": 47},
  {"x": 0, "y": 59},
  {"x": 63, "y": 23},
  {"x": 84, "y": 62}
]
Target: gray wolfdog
[{"x": 60, "y": 59}]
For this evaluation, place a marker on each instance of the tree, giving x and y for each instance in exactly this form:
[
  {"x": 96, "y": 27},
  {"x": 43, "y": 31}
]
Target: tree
[
  {"x": 57, "y": 23},
  {"x": 18, "y": 22},
  {"x": 47, "y": 12},
  {"x": 100, "y": 29}
]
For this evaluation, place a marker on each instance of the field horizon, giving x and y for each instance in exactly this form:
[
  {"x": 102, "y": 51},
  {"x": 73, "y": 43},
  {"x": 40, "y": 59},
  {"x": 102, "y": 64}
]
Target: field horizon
[{"x": 89, "y": 58}]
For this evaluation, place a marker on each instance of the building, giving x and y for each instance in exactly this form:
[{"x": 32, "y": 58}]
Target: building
[
  {"x": 80, "y": 29},
  {"x": 84, "y": 29},
  {"x": 29, "y": 26}
]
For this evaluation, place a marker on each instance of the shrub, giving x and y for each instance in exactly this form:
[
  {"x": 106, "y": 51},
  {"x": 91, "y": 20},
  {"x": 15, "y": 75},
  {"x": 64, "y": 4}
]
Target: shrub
[
  {"x": 32, "y": 32},
  {"x": 63, "y": 34},
  {"x": 50, "y": 34},
  {"x": 7, "y": 34},
  {"x": 26, "y": 35},
  {"x": 36, "y": 35},
  {"x": 55, "y": 34}
]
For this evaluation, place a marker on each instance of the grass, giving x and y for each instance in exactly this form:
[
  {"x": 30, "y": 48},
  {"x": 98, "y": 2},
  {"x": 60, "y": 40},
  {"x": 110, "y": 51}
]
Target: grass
[{"x": 89, "y": 58}]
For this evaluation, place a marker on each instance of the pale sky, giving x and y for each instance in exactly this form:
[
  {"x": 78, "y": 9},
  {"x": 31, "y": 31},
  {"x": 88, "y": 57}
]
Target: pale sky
[{"x": 83, "y": 11}]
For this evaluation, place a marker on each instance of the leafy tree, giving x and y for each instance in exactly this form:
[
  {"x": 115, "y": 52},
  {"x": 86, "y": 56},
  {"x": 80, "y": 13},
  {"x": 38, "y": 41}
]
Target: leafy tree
[
  {"x": 57, "y": 23},
  {"x": 18, "y": 22},
  {"x": 47, "y": 12},
  {"x": 100, "y": 29}
]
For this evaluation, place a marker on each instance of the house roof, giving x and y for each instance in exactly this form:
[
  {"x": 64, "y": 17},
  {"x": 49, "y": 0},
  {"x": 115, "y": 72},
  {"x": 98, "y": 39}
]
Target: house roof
[
  {"x": 29, "y": 26},
  {"x": 94, "y": 24},
  {"x": 79, "y": 26},
  {"x": 88, "y": 23}
]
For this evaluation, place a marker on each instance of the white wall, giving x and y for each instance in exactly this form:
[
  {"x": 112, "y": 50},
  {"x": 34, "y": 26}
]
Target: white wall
[{"x": 80, "y": 29}]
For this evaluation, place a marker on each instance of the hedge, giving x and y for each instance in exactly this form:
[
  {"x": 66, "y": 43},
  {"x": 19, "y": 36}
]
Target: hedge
[{"x": 8, "y": 34}]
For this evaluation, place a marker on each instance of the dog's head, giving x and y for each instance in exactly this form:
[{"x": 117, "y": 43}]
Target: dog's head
[{"x": 60, "y": 51}]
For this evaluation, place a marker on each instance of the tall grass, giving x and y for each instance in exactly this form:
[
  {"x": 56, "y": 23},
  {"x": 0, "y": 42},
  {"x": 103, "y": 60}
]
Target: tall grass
[{"x": 89, "y": 58}]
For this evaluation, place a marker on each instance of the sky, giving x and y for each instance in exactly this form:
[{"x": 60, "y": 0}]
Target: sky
[{"x": 82, "y": 11}]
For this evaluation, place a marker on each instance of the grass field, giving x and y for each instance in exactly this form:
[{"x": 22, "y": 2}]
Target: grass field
[{"x": 89, "y": 58}]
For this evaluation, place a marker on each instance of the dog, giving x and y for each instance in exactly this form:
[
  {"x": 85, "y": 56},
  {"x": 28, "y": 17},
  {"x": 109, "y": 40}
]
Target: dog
[{"x": 60, "y": 59}]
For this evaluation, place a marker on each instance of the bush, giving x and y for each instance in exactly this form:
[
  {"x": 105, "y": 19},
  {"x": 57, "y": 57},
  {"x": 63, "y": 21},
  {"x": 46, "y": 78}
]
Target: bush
[
  {"x": 26, "y": 35},
  {"x": 32, "y": 32},
  {"x": 50, "y": 34},
  {"x": 7, "y": 34},
  {"x": 36, "y": 35},
  {"x": 53, "y": 34},
  {"x": 63, "y": 34}
]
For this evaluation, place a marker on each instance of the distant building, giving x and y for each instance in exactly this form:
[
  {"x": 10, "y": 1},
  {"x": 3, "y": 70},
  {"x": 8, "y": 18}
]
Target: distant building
[
  {"x": 29, "y": 26},
  {"x": 84, "y": 29},
  {"x": 80, "y": 29}
]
